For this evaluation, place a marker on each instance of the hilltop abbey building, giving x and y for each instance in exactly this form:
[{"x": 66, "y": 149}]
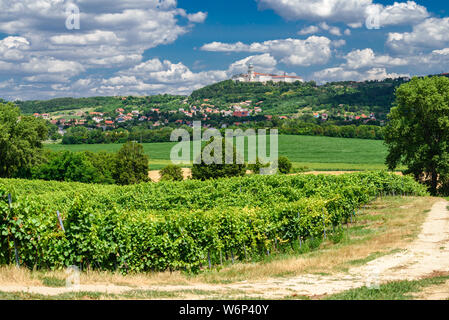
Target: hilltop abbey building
[{"x": 253, "y": 76}]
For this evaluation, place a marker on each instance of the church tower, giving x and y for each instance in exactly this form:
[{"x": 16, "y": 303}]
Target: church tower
[{"x": 251, "y": 73}]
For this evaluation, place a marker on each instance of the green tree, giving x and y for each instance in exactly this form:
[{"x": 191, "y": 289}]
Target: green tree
[
  {"x": 76, "y": 135},
  {"x": 255, "y": 167},
  {"x": 417, "y": 134},
  {"x": 172, "y": 173},
  {"x": 204, "y": 171},
  {"x": 131, "y": 164},
  {"x": 284, "y": 165},
  {"x": 104, "y": 163},
  {"x": 20, "y": 141},
  {"x": 53, "y": 133},
  {"x": 67, "y": 166}
]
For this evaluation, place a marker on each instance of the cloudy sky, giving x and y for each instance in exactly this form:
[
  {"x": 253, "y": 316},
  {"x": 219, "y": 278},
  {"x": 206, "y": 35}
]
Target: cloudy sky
[{"x": 143, "y": 47}]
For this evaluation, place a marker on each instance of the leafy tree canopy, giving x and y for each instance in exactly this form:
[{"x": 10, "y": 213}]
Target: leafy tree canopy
[
  {"x": 20, "y": 141},
  {"x": 66, "y": 166},
  {"x": 172, "y": 173},
  {"x": 205, "y": 171},
  {"x": 418, "y": 132},
  {"x": 284, "y": 165},
  {"x": 131, "y": 164}
]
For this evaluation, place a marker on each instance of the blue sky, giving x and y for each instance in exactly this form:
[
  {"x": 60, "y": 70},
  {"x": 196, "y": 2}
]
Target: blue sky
[{"x": 144, "y": 47}]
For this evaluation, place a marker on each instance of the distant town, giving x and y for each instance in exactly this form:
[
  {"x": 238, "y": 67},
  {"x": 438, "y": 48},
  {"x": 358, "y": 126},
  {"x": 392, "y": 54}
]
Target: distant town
[
  {"x": 242, "y": 113},
  {"x": 187, "y": 110}
]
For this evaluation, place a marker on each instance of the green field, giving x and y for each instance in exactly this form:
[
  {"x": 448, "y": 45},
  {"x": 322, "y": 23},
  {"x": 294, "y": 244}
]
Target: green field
[{"x": 315, "y": 153}]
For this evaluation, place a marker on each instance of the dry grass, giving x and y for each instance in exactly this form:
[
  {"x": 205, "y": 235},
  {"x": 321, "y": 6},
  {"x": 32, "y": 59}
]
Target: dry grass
[
  {"x": 434, "y": 292},
  {"x": 386, "y": 225},
  {"x": 11, "y": 275}
]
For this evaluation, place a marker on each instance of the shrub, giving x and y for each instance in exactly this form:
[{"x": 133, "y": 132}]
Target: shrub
[
  {"x": 204, "y": 171},
  {"x": 131, "y": 165},
  {"x": 255, "y": 168},
  {"x": 86, "y": 167},
  {"x": 172, "y": 173},
  {"x": 66, "y": 166},
  {"x": 104, "y": 164},
  {"x": 444, "y": 188},
  {"x": 284, "y": 165}
]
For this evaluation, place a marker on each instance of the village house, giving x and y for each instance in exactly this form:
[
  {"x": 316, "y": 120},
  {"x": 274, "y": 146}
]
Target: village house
[{"x": 241, "y": 114}]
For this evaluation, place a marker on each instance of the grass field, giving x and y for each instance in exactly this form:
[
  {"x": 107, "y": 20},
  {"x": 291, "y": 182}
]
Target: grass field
[{"x": 315, "y": 153}]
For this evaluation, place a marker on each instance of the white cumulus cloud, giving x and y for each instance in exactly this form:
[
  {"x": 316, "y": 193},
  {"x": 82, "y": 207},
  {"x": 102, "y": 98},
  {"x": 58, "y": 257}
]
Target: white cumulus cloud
[
  {"x": 352, "y": 12},
  {"x": 113, "y": 34},
  {"x": 342, "y": 74},
  {"x": 358, "y": 59},
  {"x": 431, "y": 34},
  {"x": 311, "y": 51}
]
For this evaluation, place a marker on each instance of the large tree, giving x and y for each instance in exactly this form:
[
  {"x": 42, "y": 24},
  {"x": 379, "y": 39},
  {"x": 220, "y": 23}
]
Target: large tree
[
  {"x": 20, "y": 141},
  {"x": 131, "y": 164},
  {"x": 220, "y": 168},
  {"x": 417, "y": 134}
]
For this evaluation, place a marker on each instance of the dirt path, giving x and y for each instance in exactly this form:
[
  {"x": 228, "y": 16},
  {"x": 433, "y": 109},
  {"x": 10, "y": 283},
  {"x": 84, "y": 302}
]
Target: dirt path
[
  {"x": 155, "y": 175},
  {"x": 428, "y": 254},
  {"x": 436, "y": 292}
]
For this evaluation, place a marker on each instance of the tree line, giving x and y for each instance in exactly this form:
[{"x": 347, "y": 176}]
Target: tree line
[
  {"x": 83, "y": 135},
  {"x": 128, "y": 166},
  {"x": 22, "y": 155}
]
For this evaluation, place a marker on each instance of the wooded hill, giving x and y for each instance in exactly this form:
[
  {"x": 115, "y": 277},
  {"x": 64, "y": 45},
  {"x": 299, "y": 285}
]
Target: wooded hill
[
  {"x": 278, "y": 98},
  {"x": 287, "y": 98},
  {"x": 101, "y": 104}
]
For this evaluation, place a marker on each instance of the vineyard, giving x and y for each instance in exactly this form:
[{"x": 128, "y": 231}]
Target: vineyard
[{"x": 179, "y": 225}]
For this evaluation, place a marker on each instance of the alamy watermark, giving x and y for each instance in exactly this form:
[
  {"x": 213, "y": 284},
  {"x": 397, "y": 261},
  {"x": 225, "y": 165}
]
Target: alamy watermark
[
  {"x": 213, "y": 152},
  {"x": 373, "y": 279},
  {"x": 72, "y": 281},
  {"x": 373, "y": 19},
  {"x": 73, "y": 21}
]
